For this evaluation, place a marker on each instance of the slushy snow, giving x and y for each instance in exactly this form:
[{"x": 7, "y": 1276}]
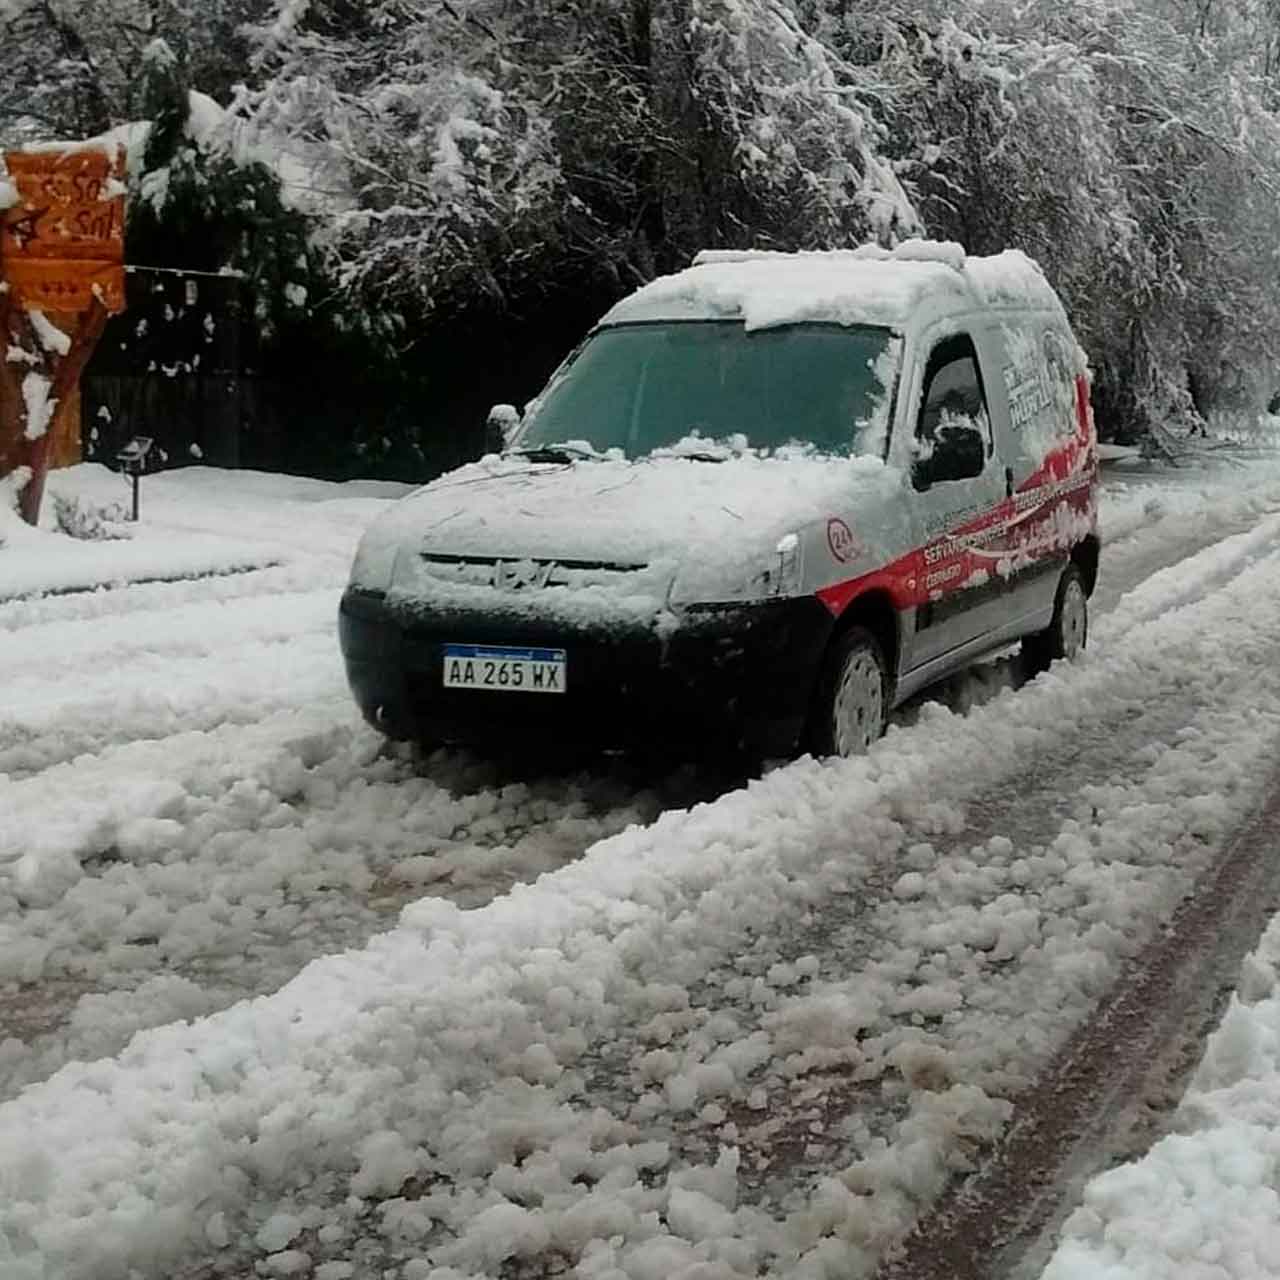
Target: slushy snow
[{"x": 333, "y": 1011}]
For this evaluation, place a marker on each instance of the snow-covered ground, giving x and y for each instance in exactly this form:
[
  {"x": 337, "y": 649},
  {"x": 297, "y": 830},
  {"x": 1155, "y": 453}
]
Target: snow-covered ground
[
  {"x": 275, "y": 995},
  {"x": 1204, "y": 1202}
]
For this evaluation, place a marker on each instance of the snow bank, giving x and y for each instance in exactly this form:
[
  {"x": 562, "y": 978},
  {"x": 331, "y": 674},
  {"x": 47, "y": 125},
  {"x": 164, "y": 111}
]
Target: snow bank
[
  {"x": 1204, "y": 1202},
  {"x": 187, "y": 528}
]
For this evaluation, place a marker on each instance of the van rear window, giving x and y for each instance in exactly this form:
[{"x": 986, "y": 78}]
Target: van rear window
[{"x": 643, "y": 387}]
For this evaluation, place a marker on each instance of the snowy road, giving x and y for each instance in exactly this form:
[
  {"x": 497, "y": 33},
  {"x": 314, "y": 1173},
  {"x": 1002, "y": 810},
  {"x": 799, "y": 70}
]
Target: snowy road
[
  {"x": 752, "y": 1036},
  {"x": 191, "y": 810}
]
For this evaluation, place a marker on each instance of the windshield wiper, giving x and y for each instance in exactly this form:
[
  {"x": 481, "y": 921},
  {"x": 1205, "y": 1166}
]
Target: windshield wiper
[
  {"x": 699, "y": 455},
  {"x": 556, "y": 453}
]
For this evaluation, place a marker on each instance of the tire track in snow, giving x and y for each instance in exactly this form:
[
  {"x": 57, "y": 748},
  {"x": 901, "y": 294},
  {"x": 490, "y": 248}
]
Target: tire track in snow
[
  {"x": 108, "y": 683},
  {"x": 468, "y": 870},
  {"x": 282, "y": 842},
  {"x": 1148, "y": 591},
  {"x": 1092, "y": 1100},
  {"x": 977, "y": 841},
  {"x": 162, "y": 597}
]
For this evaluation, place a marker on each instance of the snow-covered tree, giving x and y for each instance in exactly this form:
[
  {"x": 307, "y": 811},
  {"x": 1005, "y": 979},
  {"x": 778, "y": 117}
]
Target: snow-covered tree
[
  {"x": 69, "y": 68},
  {"x": 488, "y": 144},
  {"x": 478, "y": 158},
  {"x": 1129, "y": 152}
]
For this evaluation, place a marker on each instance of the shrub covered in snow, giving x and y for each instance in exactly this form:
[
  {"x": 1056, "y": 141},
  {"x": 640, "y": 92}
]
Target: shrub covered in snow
[{"x": 80, "y": 518}]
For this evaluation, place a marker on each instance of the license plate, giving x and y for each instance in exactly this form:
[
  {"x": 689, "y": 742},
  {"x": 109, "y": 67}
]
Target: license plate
[{"x": 503, "y": 670}]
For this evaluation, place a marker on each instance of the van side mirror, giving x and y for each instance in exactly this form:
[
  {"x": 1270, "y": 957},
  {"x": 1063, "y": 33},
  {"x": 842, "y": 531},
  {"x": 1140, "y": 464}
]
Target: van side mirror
[
  {"x": 500, "y": 426},
  {"x": 959, "y": 453}
]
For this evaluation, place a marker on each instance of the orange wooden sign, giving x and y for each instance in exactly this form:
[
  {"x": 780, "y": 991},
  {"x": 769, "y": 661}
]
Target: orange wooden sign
[{"x": 62, "y": 244}]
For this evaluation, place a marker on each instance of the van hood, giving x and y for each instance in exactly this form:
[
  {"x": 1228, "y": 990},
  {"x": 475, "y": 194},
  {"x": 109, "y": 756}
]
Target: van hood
[
  {"x": 622, "y": 512},
  {"x": 615, "y": 538}
]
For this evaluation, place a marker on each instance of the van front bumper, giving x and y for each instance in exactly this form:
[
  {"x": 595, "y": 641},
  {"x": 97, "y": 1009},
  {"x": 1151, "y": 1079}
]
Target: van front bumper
[{"x": 736, "y": 676}]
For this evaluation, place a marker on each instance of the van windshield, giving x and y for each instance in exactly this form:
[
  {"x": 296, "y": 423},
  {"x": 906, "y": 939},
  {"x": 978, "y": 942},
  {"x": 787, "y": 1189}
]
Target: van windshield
[{"x": 642, "y": 387}]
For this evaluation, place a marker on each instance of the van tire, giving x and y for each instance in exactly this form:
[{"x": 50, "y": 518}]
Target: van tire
[
  {"x": 851, "y": 702},
  {"x": 1068, "y": 632}
]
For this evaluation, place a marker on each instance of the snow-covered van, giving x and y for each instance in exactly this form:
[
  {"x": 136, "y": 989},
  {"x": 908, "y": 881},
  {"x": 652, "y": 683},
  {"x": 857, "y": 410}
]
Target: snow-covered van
[{"x": 767, "y": 499}]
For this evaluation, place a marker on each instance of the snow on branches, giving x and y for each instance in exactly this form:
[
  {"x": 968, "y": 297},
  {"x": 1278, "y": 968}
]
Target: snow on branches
[
  {"x": 483, "y": 142},
  {"x": 481, "y": 154}
]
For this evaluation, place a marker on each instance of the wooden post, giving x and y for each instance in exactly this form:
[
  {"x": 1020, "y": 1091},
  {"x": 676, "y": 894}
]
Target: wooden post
[
  {"x": 61, "y": 253},
  {"x": 65, "y": 373}
]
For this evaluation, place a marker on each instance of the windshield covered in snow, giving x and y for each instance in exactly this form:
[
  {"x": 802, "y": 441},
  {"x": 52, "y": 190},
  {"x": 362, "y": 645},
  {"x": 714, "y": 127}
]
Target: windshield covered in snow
[{"x": 642, "y": 387}]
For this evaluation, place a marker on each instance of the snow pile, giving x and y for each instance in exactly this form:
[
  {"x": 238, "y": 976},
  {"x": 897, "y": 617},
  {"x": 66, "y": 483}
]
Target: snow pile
[{"x": 1204, "y": 1201}]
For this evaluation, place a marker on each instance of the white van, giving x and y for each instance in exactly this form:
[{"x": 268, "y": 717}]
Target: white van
[{"x": 766, "y": 499}]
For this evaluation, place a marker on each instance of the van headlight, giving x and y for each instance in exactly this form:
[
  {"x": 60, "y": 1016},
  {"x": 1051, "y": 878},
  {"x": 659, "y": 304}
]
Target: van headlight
[
  {"x": 375, "y": 560},
  {"x": 739, "y": 582},
  {"x": 789, "y": 575}
]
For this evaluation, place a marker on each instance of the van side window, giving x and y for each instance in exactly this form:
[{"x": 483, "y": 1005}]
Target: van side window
[{"x": 953, "y": 434}]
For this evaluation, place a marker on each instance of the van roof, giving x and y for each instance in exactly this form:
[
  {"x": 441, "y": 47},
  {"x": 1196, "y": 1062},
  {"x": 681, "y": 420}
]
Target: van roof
[{"x": 868, "y": 285}]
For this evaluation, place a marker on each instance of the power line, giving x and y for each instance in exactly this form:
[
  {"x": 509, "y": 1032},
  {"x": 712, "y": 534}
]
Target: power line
[{"x": 229, "y": 274}]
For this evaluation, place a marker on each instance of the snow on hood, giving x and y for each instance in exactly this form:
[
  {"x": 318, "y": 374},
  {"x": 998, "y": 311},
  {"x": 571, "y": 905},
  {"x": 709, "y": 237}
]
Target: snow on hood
[{"x": 709, "y": 520}]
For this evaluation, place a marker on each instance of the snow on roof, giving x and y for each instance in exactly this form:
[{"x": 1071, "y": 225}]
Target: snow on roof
[
  {"x": 108, "y": 143},
  {"x": 867, "y": 285}
]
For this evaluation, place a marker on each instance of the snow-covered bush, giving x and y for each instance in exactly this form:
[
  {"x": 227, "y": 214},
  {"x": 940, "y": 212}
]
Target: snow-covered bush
[{"x": 78, "y": 517}]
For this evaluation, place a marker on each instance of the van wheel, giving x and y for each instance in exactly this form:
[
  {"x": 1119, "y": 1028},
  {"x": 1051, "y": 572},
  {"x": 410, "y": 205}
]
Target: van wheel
[
  {"x": 1068, "y": 632},
  {"x": 849, "y": 711}
]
